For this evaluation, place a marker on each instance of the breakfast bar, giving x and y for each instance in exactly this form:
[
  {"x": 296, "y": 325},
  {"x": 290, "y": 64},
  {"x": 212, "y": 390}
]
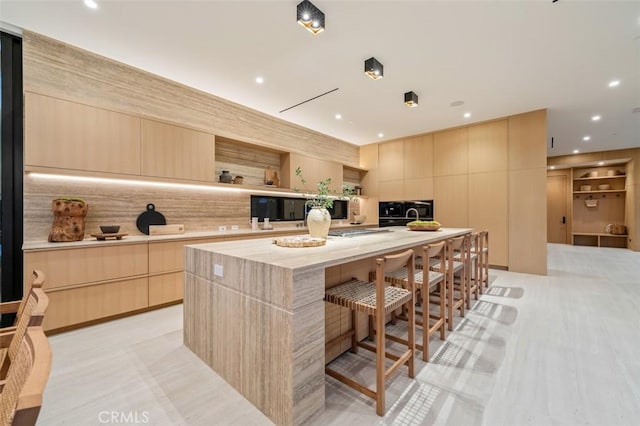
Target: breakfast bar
[{"x": 254, "y": 312}]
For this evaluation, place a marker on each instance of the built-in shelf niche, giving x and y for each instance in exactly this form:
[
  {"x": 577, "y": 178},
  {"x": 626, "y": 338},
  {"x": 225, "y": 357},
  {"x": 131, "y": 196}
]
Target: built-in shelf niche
[{"x": 246, "y": 160}]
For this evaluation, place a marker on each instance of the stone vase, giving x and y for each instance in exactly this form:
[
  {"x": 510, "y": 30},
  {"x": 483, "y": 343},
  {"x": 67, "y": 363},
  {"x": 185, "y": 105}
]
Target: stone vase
[
  {"x": 318, "y": 222},
  {"x": 68, "y": 220}
]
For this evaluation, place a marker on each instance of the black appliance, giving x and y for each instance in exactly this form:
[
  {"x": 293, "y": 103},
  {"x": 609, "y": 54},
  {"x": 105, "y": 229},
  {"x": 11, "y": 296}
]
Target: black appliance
[
  {"x": 394, "y": 213},
  {"x": 280, "y": 209}
]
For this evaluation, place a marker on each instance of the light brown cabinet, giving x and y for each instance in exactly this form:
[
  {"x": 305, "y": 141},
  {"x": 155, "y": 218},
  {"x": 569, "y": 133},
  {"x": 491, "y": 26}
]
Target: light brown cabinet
[
  {"x": 313, "y": 170},
  {"x": 450, "y": 151},
  {"x": 68, "y": 135},
  {"x": 391, "y": 170},
  {"x": 89, "y": 283},
  {"x": 175, "y": 152}
]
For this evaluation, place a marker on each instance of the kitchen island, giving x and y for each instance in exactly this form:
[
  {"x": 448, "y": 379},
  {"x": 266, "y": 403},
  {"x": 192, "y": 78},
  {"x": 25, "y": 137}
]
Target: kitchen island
[{"x": 253, "y": 311}]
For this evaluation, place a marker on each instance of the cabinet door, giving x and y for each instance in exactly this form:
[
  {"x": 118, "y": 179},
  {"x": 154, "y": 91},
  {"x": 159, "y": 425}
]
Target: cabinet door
[
  {"x": 451, "y": 201},
  {"x": 176, "y": 152},
  {"x": 332, "y": 170},
  {"x": 392, "y": 190},
  {"x": 69, "y": 135},
  {"x": 418, "y": 157},
  {"x": 69, "y": 267},
  {"x": 450, "y": 152},
  {"x": 488, "y": 147},
  {"x": 309, "y": 167},
  {"x": 391, "y": 161},
  {"x": 78, "y": 305}
]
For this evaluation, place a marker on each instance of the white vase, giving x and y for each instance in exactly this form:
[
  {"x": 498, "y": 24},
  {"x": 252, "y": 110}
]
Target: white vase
[{"x": 318, "y": 222}]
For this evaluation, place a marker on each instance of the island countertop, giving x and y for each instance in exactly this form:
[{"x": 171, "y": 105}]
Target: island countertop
[
  {"x": 338, "y": 250},
  {"x": 254, "y": 312}
]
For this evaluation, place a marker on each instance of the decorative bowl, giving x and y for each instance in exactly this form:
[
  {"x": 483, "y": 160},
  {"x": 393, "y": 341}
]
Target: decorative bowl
[
  {"x": 423, "y": 226},
  {"x": 585, "y": 187},
  {"x": 109, "y": 229},
  {"x": 359, "y": 218},
  {"x": 593, "y": 174},
  {"x": 604, "y": 187}
]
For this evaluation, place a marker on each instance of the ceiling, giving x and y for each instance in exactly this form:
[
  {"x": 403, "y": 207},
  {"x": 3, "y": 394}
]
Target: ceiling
[{"x": 499, "y": 57}]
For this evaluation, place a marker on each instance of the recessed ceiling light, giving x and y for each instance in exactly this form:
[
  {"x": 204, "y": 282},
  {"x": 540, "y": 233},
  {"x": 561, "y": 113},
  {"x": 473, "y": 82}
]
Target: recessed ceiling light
[
  {"x": 576, "y": 151},
  {"x": 381, "y": 135},
  {"x": 91, "y": 4},
  {"x": 595, "y": 118},
  {"x": 601, "y": 163},
  {"x": 586, "y": 138},
  {"x": 552, "y": 167},
  {"x": 259, "y": 80},
  {"x": 467, "y": 114},
  {"x": 614, "y": 83},
  {"x": 338, "y": 116}
]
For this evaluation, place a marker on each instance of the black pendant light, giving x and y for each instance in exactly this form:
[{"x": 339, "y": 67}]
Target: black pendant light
[
  {"x": 411, "y": 99},
  {"x": 373, "y": 68},
  {"x": 310, "y": 17}
]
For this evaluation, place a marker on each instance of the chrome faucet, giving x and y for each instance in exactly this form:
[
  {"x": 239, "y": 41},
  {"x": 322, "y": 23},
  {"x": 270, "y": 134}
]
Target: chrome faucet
[{"x": 407, "y": 213}]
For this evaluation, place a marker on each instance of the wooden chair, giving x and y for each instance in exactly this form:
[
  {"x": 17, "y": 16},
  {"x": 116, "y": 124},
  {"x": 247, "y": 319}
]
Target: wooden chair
[
  {"x": 434, "y": 283},
  {"x": 21, "y": 394},
  {"x": 32, "y": 315},
  {"x": 36, "y": 281},
  {"x": 378, "y": 300}
]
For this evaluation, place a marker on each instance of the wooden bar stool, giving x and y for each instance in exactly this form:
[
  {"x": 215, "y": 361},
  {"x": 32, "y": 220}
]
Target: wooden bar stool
[
  {"x": 483, "y": 249},
  {"x": 473, "y": 267},
  {"x": 378, "y": 300},
  {"x": 425, "y": 287},
  {"x": 453, "y": 268}
]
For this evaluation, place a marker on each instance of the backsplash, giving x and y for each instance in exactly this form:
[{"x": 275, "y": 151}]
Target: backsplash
[{"x": 121, "y": 203}]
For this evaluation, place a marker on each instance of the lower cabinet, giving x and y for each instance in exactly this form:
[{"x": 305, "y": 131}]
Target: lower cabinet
[
  {"x": 77, "y": 305},
  {"x": 166, "y": 288}
]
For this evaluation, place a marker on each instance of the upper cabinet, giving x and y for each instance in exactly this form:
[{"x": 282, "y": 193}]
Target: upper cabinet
[
  {"x": 451, "y": 153},
  {"x": 488, "y": 147},
  {"x": 313, "y": 170},
  {"x": 175, "y": 152},
  {"x": 418, "y": 157},
  {"x": 391, "y": 161},
  {"x": 68, "y": 135}
]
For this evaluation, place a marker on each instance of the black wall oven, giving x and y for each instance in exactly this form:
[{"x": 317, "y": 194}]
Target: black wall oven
[{"x": 394, "y": 213}]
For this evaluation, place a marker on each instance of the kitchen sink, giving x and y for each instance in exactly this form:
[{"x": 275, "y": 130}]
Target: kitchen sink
[{"x": 355, "y": 232}]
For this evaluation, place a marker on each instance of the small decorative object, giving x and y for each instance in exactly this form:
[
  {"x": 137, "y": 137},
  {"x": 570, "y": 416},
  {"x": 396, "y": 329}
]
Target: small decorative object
[
  {"x": 103, "y": 237},
  {"x": 585, "y": 187},
  {"x": 68, "y": 219},
  {"x": 226, "y": 177},
  {"x": 611, "y": 172},
  {"x": 238, "y": 180},
  {"x": 319, "y": 218},
  {"x": 424, "y": 225},
  {"x": 271, "y": 177},
  {"x": 109, "y": 229},
  {"x": 593, "y": 174},
  {"x": 358, "y": 218},
  {"x": 604, "y": 187},
  {"x": 358, "y": 190},
  {"x": 616, "y": 229},
  {"x": 591, "y": 203}
]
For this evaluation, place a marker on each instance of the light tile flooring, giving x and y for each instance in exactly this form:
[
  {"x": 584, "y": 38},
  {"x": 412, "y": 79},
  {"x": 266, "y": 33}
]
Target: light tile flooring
[{"x": 562, "y": 349}]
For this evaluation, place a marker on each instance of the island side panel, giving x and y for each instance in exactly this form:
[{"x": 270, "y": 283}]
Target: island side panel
[
  {"x": 239, "y": 324},
  {"x": 308, "y": 343}
]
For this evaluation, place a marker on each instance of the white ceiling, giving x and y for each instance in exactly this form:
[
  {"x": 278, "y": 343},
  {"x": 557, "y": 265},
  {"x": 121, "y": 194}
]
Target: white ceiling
[{"x": 499, "y": 57}]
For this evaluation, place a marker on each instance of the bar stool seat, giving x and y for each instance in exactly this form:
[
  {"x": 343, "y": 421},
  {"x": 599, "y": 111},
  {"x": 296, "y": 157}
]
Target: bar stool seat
[{"x": 378, "y": 300}]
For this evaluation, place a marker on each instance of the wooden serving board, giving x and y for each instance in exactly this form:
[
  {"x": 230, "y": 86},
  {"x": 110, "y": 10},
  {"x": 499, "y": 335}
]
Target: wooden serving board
[
  {"x": 299, "y": 242},
  {"x": 102, "y": 237},
  {"x": 166, "y": 229}
]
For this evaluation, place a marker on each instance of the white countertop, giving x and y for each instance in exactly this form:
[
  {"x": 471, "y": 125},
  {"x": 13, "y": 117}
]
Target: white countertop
[
  {"x": 338, "y": 250},
  {"x": 142, "y": 239}
]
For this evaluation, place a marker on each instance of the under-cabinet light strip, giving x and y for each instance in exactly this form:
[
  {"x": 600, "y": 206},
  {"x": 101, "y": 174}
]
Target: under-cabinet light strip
[{"x": 168, "y": 185}]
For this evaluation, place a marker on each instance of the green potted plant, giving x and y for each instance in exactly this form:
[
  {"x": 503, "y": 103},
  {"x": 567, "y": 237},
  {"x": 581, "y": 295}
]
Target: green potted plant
[{"x": 319, "y": 218}]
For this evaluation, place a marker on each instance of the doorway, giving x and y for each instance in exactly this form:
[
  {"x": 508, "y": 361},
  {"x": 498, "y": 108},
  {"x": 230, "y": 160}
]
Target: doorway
[{"x": 557, "y": 209}]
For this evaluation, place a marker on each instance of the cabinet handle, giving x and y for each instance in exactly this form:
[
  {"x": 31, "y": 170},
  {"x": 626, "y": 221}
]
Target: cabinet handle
[{"x": 564, "y": 220}]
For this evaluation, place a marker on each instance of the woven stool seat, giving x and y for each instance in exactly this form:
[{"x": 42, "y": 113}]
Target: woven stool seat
[
  {"x": 400, "y": 276},
  {"x": 361, "y": 296}
]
